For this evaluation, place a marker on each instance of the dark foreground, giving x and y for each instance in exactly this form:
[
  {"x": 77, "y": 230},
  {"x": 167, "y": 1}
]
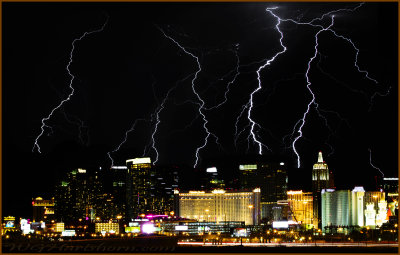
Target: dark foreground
[
  {"x": 318, "y": 249},
  {"x": 171, "y": 246}
]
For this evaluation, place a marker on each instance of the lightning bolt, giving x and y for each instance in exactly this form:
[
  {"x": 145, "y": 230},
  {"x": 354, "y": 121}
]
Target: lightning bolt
[
  {"x": 338, "y": 81},
  {"x": 370, "y": 162},
  {"x": 378, "y": 94},
  {"x": 356, "y": 58},
  {"x": 237, "y": 73},
  {"x": 201, "y": 106},
  {"x": 250, "y": 104},
  {"x": 157, "y": 116},
  {"x": 125, "y": 139},
  {"x": 81, "y": 126},
  {"x": 312, "y": 102},
  {"x": 44, "y": 120},
  {"x": 331, "y": 131},
  {"x": 238, "y": 133},
  {"x": 74, "y": 121}
]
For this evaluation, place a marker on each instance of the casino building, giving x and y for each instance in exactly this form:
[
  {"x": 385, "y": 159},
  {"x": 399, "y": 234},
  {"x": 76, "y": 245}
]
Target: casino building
[{"x": 220, "y": 205}]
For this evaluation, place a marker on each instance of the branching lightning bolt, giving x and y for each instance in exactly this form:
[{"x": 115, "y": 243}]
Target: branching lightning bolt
[
  {"x": 158, "y": 120},
  {"x": 44, "y": 125},
  {"x": 356, "y": 58},
  {"x": 201, "y": 106},
  {"x": 250, "y": 104},
  {"x": 312, "y": 102},
  {"x": 125, "y": 139},
  {"x": 237, "y": 73},
  {"x": 81, "y": 126},
  {"x": 238, "y": 133},
  {"x": 370, "y": 162}
]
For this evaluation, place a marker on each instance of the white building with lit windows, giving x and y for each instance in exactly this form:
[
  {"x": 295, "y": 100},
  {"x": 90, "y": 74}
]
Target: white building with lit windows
[
  {"x": 335, "y": 208},
  {"x": 357, "y": 206}
]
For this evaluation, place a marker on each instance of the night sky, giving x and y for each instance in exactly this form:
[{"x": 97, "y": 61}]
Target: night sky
[{"x": 123, "y": 73}]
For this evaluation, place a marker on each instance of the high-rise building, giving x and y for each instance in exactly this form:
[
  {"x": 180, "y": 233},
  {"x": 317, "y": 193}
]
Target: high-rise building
[
  {"x": 213, "y": 179},
  {"x": 390, "y": 185},
  {"x": 220, "y": 205},
  {"x": 301, "y": 206},
  {"x": 106, "y": 207},
  {"x": 117, "y": 190},
  {"x": 335, "y": 208},
  {"x": 139, "y": 186},
  {"x": 166, "y": 179},
  {"x": 271, "y": 177},
  {"x": 149, "y": 189},
  {"x": 322, "y": 178},
  {"x": 357, "y": 206},
  {"x": 344, "y": 208},
  {"x": 76, "y": 195}
]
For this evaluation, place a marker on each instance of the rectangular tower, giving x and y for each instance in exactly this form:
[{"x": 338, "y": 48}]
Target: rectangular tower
[
  {"x": 138, "y": 186},
  {"x": 270, "y": 177},
  {"x": 335, "y": 208},
  {"x": 321, "y": 179}
]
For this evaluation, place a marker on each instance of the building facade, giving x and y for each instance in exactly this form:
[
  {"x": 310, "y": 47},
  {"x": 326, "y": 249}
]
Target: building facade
[
  {"x": 220, "y": 205},
  {"x": 335, "y": 208},
  {"x": 301, "y": 206},
  {"x": 43, "y": 210},
  {"x": 199, "y": 228}
]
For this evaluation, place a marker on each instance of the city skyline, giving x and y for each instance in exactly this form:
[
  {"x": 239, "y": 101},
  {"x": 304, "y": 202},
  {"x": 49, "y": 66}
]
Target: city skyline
[{"x": 138, "y": 64}]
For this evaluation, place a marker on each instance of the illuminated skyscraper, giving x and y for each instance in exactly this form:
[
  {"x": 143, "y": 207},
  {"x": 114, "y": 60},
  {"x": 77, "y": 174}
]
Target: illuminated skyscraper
[
  {"x": 270, "y": 177},
  {"x": 138, "y": 186},
  {"x": 113, "y": 200},
  {"x": 76, "y": 195},
  {"x": 335, "y": 208},
  {"x": 149, "y": 189},
  {"x": 357, "y": 206},
  {"x": 322, "y": 178},
  {"x": 166, "y": 179},
  {"x": 213, "y": 180}
]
